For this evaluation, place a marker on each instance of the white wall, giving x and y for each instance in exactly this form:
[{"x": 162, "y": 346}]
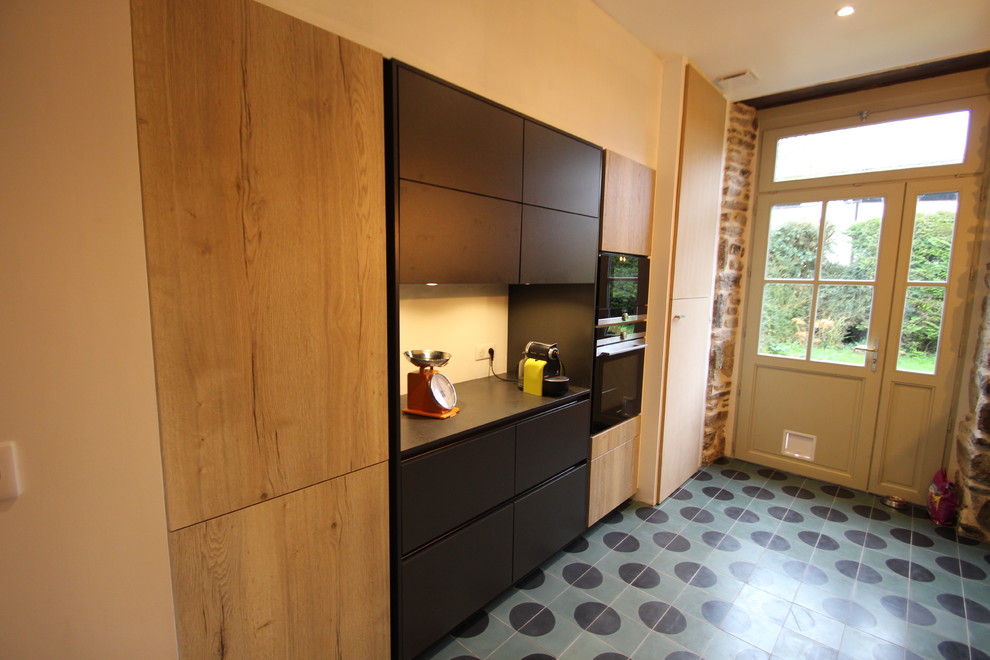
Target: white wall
[{"x": 84, "y": 570}]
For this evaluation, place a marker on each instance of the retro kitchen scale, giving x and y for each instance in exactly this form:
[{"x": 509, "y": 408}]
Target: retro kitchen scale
[{"x": 430, "y": 393}]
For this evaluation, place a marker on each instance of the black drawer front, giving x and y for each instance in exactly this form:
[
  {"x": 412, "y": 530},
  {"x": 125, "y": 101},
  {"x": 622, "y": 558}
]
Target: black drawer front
[
  {"x": 449, "y": 581},
  {"x": 548, "y": 518},
  {"x": 551, "y": 443},
  {"x": 448, "y": 487}
]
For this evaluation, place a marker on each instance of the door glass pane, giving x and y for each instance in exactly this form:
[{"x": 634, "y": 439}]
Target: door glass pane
[
  {"x": 920, "y": 329},
  {"x": 934, "y": 221},
  {"x": 842, "y": 321},
  {"x": 852, "y": 239},
  {"x": 784, "y": 319},
  {"x": 793, "y": 243},
  {"x": 894, "y": 145}
]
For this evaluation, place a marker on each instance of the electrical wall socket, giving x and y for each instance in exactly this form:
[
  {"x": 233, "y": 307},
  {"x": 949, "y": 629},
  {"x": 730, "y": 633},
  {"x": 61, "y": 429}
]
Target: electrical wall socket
[
  {"x": 10, "y": 483},
  {"x": 481, "y": 350}
]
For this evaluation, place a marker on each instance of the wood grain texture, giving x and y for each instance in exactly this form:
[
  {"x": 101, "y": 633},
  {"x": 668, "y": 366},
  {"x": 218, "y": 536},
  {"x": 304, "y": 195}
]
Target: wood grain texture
[
  {"x": 611, "y": 438},
  {"x": 684, "y": 403},
  {"x": 304, "y": 575},
  {"x": 627, "y": 206},
  {"x": 699, "y": 187},
  {"x": 613, "y": 479},
  {"x": 261, "y": 145}
]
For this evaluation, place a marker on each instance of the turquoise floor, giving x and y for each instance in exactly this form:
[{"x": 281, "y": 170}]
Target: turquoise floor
[{"x": 744, "y": 563}]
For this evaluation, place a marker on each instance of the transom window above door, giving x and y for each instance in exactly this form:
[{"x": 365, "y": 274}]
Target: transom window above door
[{"x": 922, "y": 141}]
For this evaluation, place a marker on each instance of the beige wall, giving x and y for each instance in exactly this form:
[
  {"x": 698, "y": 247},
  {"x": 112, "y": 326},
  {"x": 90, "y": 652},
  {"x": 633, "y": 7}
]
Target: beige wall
[
  {"x": 84, "y": 570},
  {"x": 565, "y": 62}
]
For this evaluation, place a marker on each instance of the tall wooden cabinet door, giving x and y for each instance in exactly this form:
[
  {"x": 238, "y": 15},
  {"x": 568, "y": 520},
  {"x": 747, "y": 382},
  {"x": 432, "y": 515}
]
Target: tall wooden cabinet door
[
  {"x": 557, "y": 247},
  {"x": 450, "y": 138},
  {"x": 304, "y": 575},
  {"x": 699, "y": 187},
  {"x": 262, "y": 168},
  {"x": 627, "y": 205},
  {"x": 684, "y": 403},
  {"x": 560, "y": 172},
  {"x": 452, "y": 237}
]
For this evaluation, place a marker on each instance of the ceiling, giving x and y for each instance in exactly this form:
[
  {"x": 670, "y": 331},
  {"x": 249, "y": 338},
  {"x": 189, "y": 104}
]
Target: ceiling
[{"x": 793, "y": 44}]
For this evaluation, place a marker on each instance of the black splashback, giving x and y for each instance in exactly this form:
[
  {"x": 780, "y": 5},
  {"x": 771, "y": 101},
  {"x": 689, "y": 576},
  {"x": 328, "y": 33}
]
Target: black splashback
[{"x": 563, "y": 314}]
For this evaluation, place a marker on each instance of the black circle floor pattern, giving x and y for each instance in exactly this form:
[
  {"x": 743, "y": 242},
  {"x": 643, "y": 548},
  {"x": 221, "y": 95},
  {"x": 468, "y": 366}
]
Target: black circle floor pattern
[
  {"x": 786, "y": 515},
  {"x": 910, "y": 570},
  {"x": 934, "y": 608},
  {"x": 742, "y": 515},
  {"x": 662, "y": 617},
  {"x": 651, "y": 515},
  {"x": 865, "y": 539},
  {"x": 721, "y": 494},
  {"x": 961, "y": 567},
  {"x": 721, "y": 541},
  {"x": 964, "y": 608},
  {"x": 639, "y": 575},
  {"x": 583, "y": 576}
]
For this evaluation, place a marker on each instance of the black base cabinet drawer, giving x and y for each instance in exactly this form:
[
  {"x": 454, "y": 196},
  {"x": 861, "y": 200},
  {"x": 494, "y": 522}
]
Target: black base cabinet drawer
[
  {"x": 548, "y": 518},
  {"x": 445, "y": 488},
  {"x": 548, "y": 444},
  {"x": 453, "y": 578}
]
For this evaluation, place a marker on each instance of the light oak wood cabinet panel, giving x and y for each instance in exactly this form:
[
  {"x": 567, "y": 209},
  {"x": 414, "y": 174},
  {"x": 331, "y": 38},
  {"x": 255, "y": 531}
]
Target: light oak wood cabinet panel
[
  {"x": 689, "y": 325},
  {"x": 262, "y": 163},
  {"x": 619, "y": 434},
  {"x": 699, "y": 187},
  {"x": 684, "y": 404},
  {"x": 613, "y": 467},
  {"x": 627, "y": 206},
  {"x": 300, "y": 576},
  {"x": 613, "y": 479}
]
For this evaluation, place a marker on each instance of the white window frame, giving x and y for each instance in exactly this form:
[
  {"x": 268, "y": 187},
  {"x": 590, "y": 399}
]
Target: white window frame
[{"x": 976, "y": 145}]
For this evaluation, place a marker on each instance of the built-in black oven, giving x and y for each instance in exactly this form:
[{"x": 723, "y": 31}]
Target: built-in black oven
[{"x": 620, "y": 338}]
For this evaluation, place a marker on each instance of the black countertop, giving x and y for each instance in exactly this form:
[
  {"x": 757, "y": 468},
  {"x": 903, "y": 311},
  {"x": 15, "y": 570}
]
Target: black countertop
[{"x": 484, "y": 403}]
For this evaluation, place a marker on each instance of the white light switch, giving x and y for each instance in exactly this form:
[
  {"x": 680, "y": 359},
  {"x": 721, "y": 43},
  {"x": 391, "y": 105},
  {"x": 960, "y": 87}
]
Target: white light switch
[{"x": 10, "y": 482}]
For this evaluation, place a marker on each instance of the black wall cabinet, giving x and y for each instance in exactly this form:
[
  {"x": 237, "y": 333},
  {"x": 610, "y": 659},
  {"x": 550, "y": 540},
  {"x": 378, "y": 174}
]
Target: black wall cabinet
[
  {"x": 560, "y": 172},
  {"x": 452, "y": 237},
  {"x": 557, "y": 247},
  {"x": 453, "y": 139},
  {"x": 486, "y": 195}
]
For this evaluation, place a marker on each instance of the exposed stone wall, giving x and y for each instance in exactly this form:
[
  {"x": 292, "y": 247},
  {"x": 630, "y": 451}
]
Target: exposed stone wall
[
  {"x": 737, "y": 197},
  {"x": 973, "y": 439}
]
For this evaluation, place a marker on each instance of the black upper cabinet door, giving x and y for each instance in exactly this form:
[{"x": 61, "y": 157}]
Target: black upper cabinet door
[
  {"x": 557, "y": 247},
  {"x": 561, "y": 172},
  {"x": 452, "y": 139},
  {"x": 451, "y": 237}
]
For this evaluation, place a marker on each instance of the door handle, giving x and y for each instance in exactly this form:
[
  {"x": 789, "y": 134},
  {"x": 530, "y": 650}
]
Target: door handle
[{"x": 874, "y": 348}]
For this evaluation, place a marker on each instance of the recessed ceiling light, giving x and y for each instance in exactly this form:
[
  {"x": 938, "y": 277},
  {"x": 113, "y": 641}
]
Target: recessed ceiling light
[{"x": 848, "y": 10}]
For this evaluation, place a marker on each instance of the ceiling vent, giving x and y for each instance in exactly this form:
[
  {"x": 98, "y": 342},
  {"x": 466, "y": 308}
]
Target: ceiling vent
[{"x": 736, "y": 80}]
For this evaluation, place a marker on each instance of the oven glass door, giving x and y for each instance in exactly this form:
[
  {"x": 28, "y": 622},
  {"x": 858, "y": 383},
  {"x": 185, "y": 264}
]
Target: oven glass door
[
  {"x": 622, "y": 286},
  {"x": 618, "y": 387}
]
